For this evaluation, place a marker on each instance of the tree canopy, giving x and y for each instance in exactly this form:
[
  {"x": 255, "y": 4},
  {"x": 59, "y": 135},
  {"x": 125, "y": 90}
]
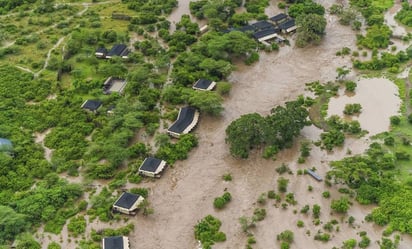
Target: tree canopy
[{"x": 276, "y": 130}]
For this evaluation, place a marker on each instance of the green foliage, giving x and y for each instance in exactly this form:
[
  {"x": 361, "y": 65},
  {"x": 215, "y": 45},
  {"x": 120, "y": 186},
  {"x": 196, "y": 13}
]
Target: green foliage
[
  {"x": 97, "y": 236},
  {"x": 259, "y": 214},
  {"x": 223, "y": 88},
  {"x": 283, "y": 168},
  {"x": 305, "y": 149},
  {"x": 227, "y": 177},
  {"x": 220, "y": 202},
  {"x": 332, "y": 138},
  {"x": 144, "y": 192},
  {"x": 178, "y": 151},
  {"x": 351, "y": 109},
  {"x": 349, "y": 244},
  {"x": 305, "y": 209},
  {"x": 311, "y": 29},
  {"x": 285, "y": 236},
  {"x": 207, "y": 231},
  {"x": 77, "y": 225},
  {"x": 322, "y": 237},
  {"x": 377, "y": 36},
  {"x": 303, "y": 8},
  {"x": 101, "y": 205},
  {"x": 300, "y": 223},
  {"x": 54, "y": 245},
  {"x": 282, "y": 184},
  {"x": 326, "y": 194},
  {"x": 341, "y": 206},
  {"x": 350, "y": 86},
  {"x": 316, "y": 211},
  {"x": 404, "y": 16},
  {"x": 277, "y": 130},
  {"x": 364, "y": 242},
  {"x": 395, "y": 120},
  {"x": 12, "y": 223},
  {"x": 246, "y": 223},
  {"x": 207, "y": 102}
]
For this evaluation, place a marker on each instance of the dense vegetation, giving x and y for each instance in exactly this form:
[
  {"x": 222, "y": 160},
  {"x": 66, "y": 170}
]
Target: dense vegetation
[
  {"x": 273, "y": 132},
  {"x": 207, "y": 231}
]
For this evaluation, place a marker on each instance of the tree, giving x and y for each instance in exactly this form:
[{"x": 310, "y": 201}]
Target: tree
[
  {"x": 311, "y": 29},
  {"x": 207, "y": 101},
  {"x": 341, "y": 206},
  {"x": 283, "y": 184},
  {"x": 245, "y": 133},
  {"x": 11, "y": 224}
]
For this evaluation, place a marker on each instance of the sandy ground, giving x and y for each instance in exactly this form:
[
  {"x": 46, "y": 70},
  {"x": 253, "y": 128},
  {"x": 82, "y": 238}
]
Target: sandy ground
[{"x": 186, "y": 191}]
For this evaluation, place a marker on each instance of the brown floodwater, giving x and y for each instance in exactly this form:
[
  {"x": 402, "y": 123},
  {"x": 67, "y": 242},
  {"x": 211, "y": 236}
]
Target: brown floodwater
[{"x": 379, "y": 100}]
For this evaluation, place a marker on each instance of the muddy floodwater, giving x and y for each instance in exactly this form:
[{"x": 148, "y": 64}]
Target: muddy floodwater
[{"x": 379, "y": 100}]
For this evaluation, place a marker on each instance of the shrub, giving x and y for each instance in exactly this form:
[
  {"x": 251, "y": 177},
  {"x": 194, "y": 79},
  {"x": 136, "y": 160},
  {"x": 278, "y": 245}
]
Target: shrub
[
  {"x": 305, "y": 209},
  {"x": 77, "y": 225},
  {"x": 271, "y": 194},
  {"x": 207, "y": 231},
  {"x": 285, "y": 236},
  {"x": 322, "y": 237},
  {"x": 364, "y": 242},
  {"x": 395, "y": 120},
  {"x": 316, "y": 211},
  {"x": 283, "y": 168},
  {"x": 259, "y": 214},
  {"x": 349, "y": 244},
  {"x": 350, "y": 86},
  {"x": 290, "y": 198},
  {"x": 227, "y": 177},
  {"x": 223, "y": 88},
  {"x": 220, "y": 202},
  {"x": 351, "y": 109},
  {"x": 262, "y": 199},
  {"x": 326, "y": 194},
  {"x": 252, "y": 58},
  {"x": 283, "y": 184},
  {"x": 390, "y": 141},
  {"x": 300, "y": 223},
  {"x": 341, "y": 206},
  {"x": 144, "y": 192}
]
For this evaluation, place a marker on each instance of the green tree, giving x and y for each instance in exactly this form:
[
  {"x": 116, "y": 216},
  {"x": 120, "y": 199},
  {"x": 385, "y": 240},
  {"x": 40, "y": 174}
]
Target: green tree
[
  {"x": 341, "y": 206},
  {"x": 11, "y": 224},
  {"x": 311, "y": 29},
  {"x": 245, "y": 133},
  {"x": 207, "y": 101},
  {"x": 283, "y": 184}
]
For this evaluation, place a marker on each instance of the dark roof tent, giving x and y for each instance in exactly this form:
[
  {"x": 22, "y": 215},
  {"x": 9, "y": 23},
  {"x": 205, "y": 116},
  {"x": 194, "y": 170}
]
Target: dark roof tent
[
  {"x": 115, "y": 242},
  {"x": 126, "y": 200},
  {"x": 151, "y": 164},
  {"x": 185, "y": 118},
  {"x": 288, "y": 24},
  {"x": 118, "y": 50},
  {"x": 266, "y": 32},
  {"x": 204, "y": 84},
  {"x": 92, "y": 105},
  {"x": 279, "y": 17},
  {"x": 262, "y": 25},
  {"x": 314, "y": 175}
]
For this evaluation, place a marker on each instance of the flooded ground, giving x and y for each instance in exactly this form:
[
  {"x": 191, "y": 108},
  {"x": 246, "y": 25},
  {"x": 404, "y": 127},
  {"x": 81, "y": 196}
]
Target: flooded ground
[
  {"x": 370, "y": 94},
  {"x": 185, "y": 192}
]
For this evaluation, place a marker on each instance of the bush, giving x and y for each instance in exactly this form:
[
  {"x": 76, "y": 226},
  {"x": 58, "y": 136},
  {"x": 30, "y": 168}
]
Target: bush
[
  {"x": 395, "y": 120},
  {"x": 283, "y": 184},
  {"x": 283, "y": 168},
  {"x": 341, "y": 206},
  {"x": 285, "y": 236},
  {"x": 316, "y": 211},
  {"x": 77, "y": 225},
  {"x": 300, "y": 223},
  {"x": 259, "y": 214},
  {"x": 207, "y": 231},
  {"x": 351, "y": 109},
  {"x": 252, "y": 58},
  {"x": 227, "y": 177},
  {"x": 305, "y": 209},
  {"x": 223, "y": 88},
  {"x": 220, "y": 202},
  {"x": 389, "y": 141},
  {"x": 322, "y": 237},
  {"x": 271, "y": 194}
]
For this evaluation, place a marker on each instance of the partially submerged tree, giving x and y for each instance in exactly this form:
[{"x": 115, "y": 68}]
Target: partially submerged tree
[{"x": 311, "y": 29}]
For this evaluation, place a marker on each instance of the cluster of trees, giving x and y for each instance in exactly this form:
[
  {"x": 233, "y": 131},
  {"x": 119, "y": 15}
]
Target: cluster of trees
[
  {"x": 372, "y": 177},
  {"x": 404, "y": 16},
  {"x": 207, "y": 231},
  {"x": 310, "y": 21},
  {"x": 7, "y": 5},
  {"x": 385, "y": 60},
  {"x": 274, "y": 132},
  {"x": 150, "y": 10}
]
